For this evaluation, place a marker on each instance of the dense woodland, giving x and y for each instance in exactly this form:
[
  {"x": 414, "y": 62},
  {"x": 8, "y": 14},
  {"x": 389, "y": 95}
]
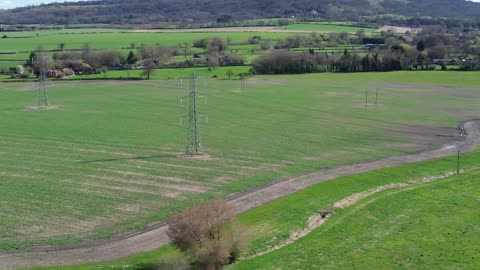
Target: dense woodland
[{"x": 225, "y": 11}]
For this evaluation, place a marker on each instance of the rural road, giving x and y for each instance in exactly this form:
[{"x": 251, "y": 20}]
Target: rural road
[{"x": 155, "y": 236}]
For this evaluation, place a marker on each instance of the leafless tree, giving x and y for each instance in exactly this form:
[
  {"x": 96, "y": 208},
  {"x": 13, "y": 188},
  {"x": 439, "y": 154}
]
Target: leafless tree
[
  {"x": 42, "y": 63},
  {"x": 150, "y": 67},
  {"x": 89, "y": 57},
  {"x": 201, "y": 231},
  {"x": 157, "y": 53}
]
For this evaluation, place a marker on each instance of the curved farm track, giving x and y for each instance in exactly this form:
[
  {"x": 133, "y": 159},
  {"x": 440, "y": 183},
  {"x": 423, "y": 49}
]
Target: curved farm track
[{"x": 155, "y": 236}]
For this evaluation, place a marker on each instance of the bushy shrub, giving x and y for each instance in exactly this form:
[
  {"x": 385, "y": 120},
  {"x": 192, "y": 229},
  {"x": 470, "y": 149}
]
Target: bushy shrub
[{"x": 201, "y": 232}]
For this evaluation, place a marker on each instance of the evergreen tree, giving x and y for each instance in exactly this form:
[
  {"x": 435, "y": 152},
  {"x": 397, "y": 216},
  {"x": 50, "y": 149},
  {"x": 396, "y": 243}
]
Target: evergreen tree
[
  {"x": 421, "y": 46},
  {"x": 131, "y": 59}
]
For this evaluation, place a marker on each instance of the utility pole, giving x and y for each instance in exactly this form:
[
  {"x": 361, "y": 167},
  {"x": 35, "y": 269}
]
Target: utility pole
[
  {"x": 242, "y": 84},
  {"x": 366, "y": 99},
  {"x": 42, "y": 84},
  {"x": 193, "y": 146},
  {"x": 180, "y": 84},
  {"x": 458, "y": 163}
]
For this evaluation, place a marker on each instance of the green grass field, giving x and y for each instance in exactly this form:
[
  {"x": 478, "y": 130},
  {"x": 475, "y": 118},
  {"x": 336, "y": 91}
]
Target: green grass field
[
  {"x": 173, "y": 73},
  {"x": 158, "y": 74},
  {"x": 430, "y": 226},
  {"x": 51, "y": 40},
  {"x": 328, "y": 28},
  {"x": 105, "y": 161}
]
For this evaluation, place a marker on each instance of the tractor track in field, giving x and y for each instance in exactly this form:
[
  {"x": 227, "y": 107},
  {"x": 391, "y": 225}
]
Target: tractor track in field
[{"x": 155, "y": 236}]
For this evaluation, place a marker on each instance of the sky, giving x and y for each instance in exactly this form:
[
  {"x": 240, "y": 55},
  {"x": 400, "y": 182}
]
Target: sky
[{"x": 7, "y": 4}]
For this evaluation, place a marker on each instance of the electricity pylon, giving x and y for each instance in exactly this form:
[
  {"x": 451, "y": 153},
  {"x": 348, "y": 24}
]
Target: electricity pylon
[
  {"x": 194, "y": 146},
  {"x": 42, "y": 84}
]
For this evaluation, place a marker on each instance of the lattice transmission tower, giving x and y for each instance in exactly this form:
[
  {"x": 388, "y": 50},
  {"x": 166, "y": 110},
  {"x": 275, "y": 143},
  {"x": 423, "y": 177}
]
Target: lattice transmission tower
[
  {"x": 194, "y": 146},
  {"x": 42, "y": 83}
]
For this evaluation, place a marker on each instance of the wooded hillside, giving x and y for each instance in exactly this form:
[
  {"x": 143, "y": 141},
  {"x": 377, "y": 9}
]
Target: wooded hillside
[{"x": 194, "y": 11}]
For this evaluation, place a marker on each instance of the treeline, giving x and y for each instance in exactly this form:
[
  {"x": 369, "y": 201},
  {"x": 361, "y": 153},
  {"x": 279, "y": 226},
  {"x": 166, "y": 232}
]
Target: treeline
[
  {"x": 432, "y": 47},
  {"x": 287, "y": 62},
  {"x": 460, "y": 24}
]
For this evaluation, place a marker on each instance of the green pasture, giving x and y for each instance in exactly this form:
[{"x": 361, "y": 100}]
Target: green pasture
[
  {"x": 172, "y": 73},
  {"x": 106, "y": 160},
  {"x": 450, "y": 79},
  {"x": 51, "y": 39},
  {"x": 64, "y": 31},
  {"x": 326, "y": 27},
  {"x": 158, "y": 74}
]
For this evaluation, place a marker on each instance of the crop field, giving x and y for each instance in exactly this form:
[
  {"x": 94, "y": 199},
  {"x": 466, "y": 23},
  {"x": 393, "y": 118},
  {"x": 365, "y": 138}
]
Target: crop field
[
  {"x": 271, "y": 224},
  {"x": 107, "y": 159}
]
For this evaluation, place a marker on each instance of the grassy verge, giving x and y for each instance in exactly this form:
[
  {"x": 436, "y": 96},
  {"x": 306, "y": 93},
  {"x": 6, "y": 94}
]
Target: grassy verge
[{"x": 431, "y": 226}]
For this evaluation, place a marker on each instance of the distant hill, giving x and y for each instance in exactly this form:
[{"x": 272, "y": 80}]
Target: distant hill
[{"x": 188, "y": 11}]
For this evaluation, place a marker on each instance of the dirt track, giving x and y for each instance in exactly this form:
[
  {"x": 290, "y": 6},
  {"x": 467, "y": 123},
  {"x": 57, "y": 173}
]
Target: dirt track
[{"x": 155, "y": 236}]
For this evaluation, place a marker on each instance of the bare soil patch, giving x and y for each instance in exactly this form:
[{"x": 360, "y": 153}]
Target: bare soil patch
[
  {"x": 399, "y": 30},
  {"x": 369, "y": 106},
  {"x": 427, "y": 136},
  {"x": 201, "y": 157},
  {"x": 42, "y": 108},
  {"x": 266, "y": 81}
]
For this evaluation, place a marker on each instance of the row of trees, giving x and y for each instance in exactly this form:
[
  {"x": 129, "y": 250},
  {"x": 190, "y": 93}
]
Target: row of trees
[
  {"x": 434, "y": 45},
  {"x": 287, "y": 62}
]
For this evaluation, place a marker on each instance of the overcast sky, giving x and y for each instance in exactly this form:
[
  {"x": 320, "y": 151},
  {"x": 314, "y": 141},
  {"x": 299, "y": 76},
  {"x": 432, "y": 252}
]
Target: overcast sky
[{"x": 6, "y": 4}]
